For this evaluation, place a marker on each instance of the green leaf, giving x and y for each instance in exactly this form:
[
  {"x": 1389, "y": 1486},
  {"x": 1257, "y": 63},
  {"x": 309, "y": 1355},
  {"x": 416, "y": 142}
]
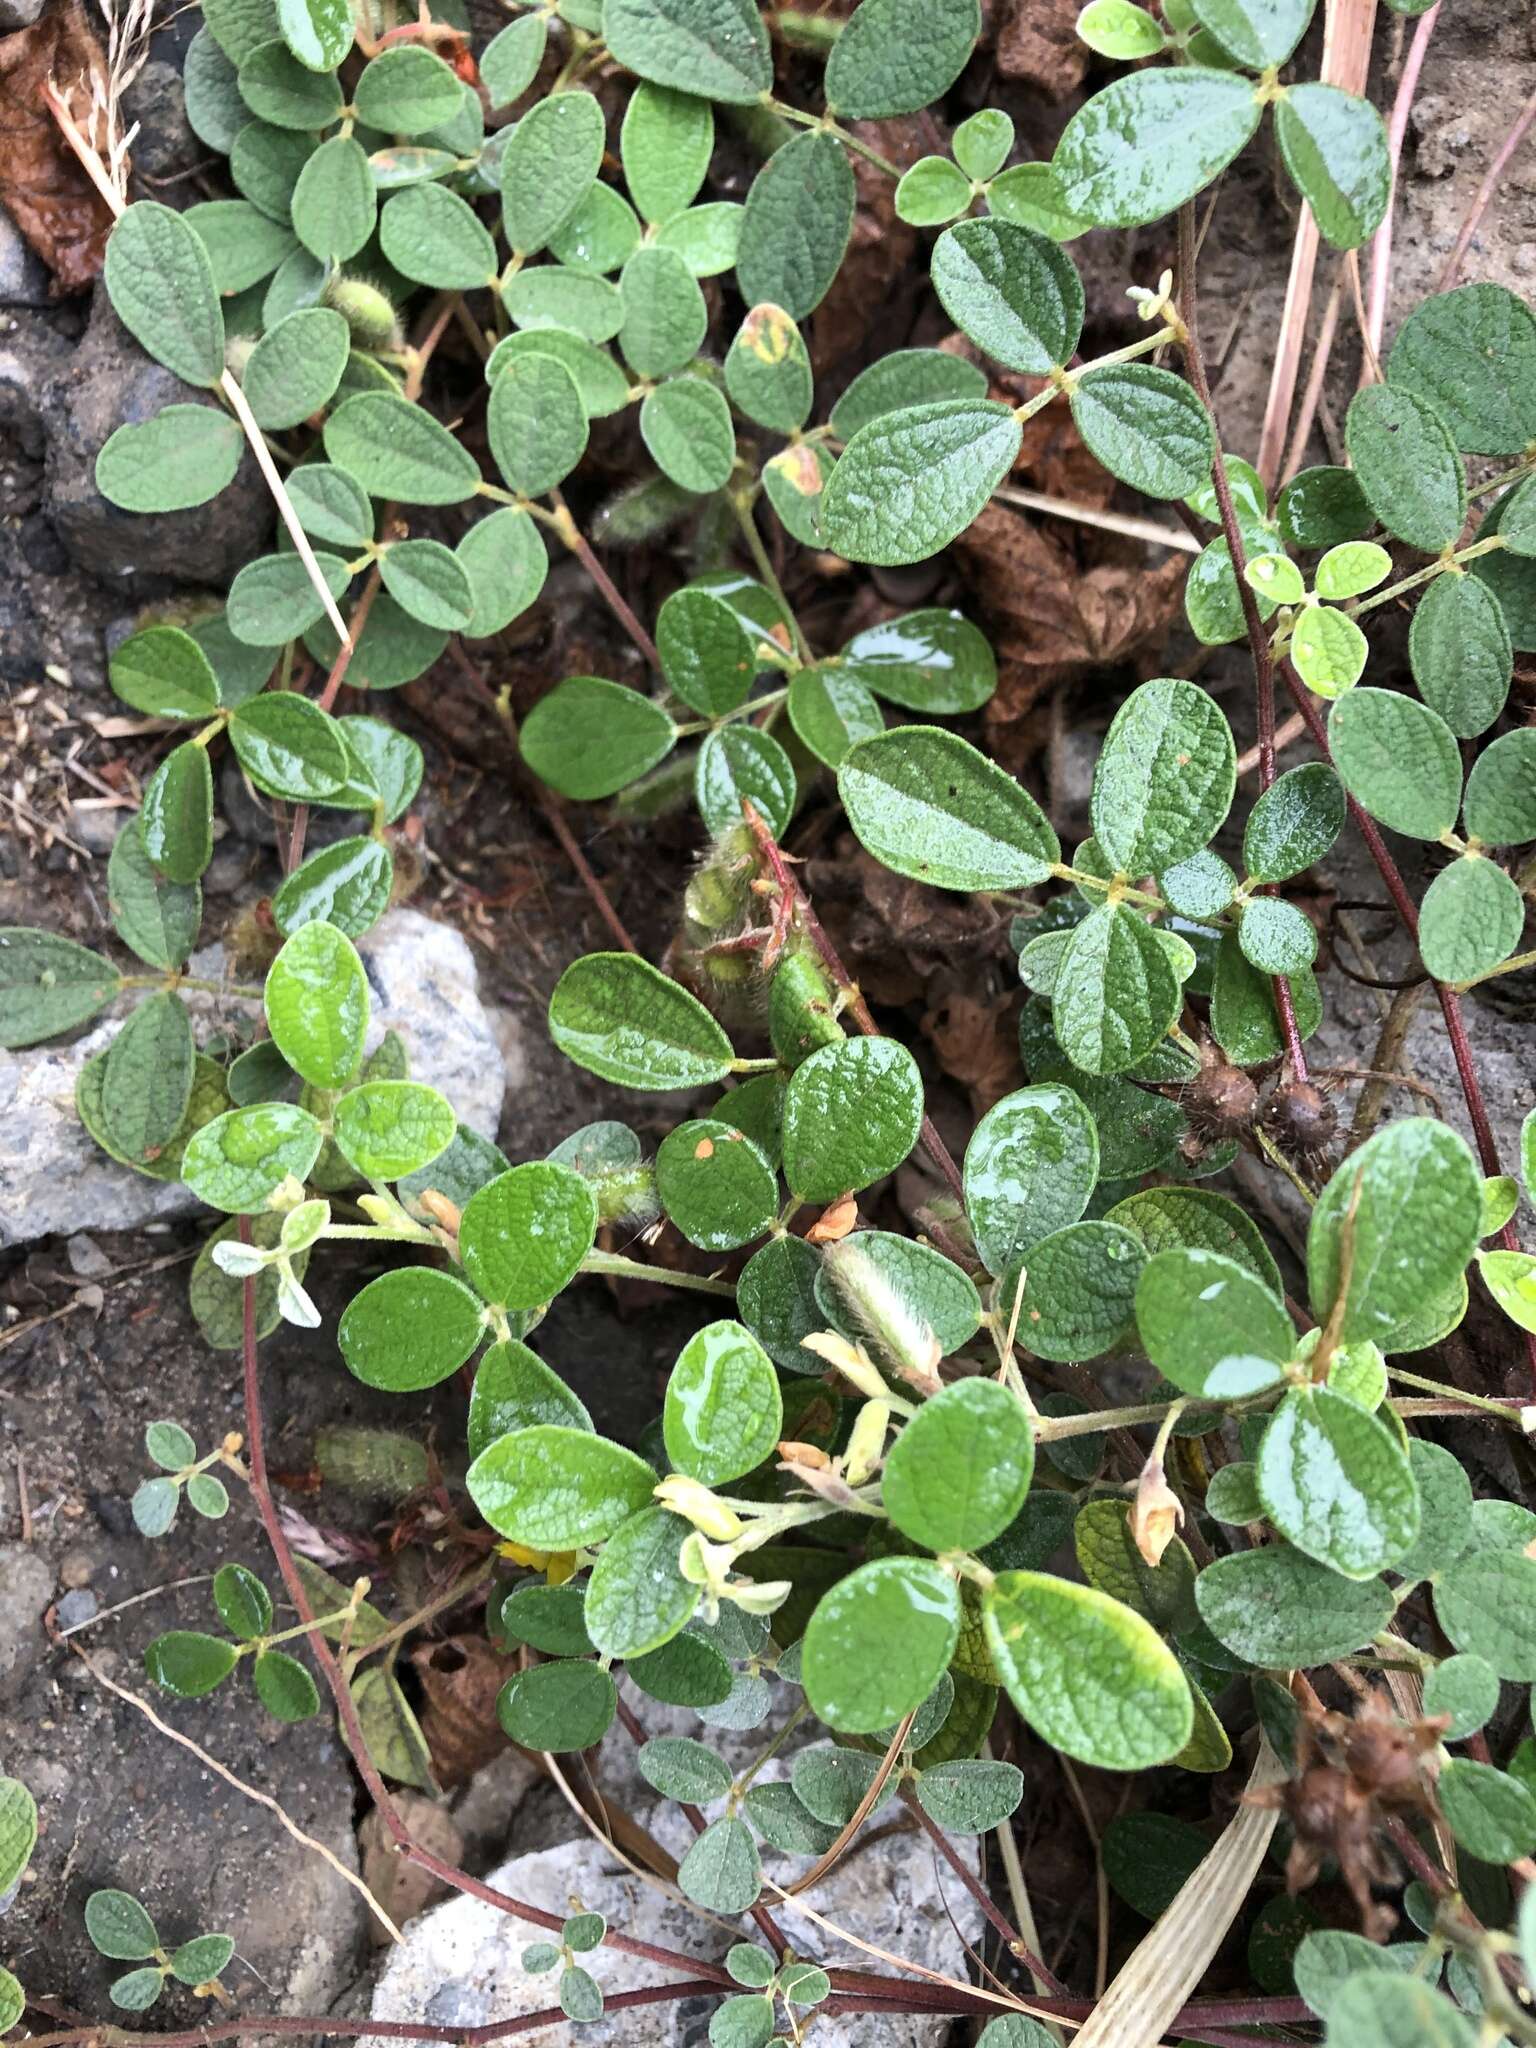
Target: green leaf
[
  {"x": 1294, "y": 823},
  {"x": 852, "y": 1112},
  {"x": 1212, "y": 601},
  {"x": 335, "y": 203},
  {"x": 1335, "y": 148},
  {"x": 746, "y": 1964},
  {"x": 182, "y": 457},
  {"x": 1119, "y": 29},
  {"x": 1277, "y": 937},
  {"x": 318, "y": 32},
  {"x": 1145, "y": 425},
  {"x": 273, "y": 599},
  {"x": 1501, "y": 791},
  {"x": 928, "y": 805},
  {"x": 317, "y": 1005},
  {"x": 688, "y": 1671},
  {"x": 721, "y": 1870},
  {"x": 934, "y": 191},
  {"x": 1353, "y": 567},
  {"x": 162, "y": 672},
  {"x": 280, "y": 90},
  {"x": 1169, "y": 1219},
  {"x": 427, "y": 580},
  {"x": 969, "y": 1798},
  {"x": 548, "y": 168},
  {"x": 240, "y": 25},
  {"x": 912, "y": 480},
  {"x": 1254, "y": 33},
  {"x": 1277, "y": 1609},
  {"x": 510, "y": 61},
  {"x": 798, "y": 219},
  {"x": 507, "y": 564},
  {"x": 878, "y": 1274},
  {"x": 1210, "y": 1326},
  {"x": 1153, "y": 139},
  {"x": 665, "y": 317},
  {"x": 244, "y": 1604},
  {"x": 831, "y": 1784},
  {"x": 396, "y": 450},
  {"x": 118, "y": 1925},
  {"x": 235, "y": 1162},
  {"x": 959, "y": 1470},
  {"x": 202, "y": 1959},
  {"x": 147, "y": 1078},
  {"x": 706, "y": 656},
  {"x": 637, "y": 1598},
  {"x": 284, "y": 1687},
  {"x": 1471, "y": 353},
  {"x": 188, "y": 1665},
  {"x": 666, "y": 143},
  {"x": 406, "y": 90},
  {"x": 1030, "y": 1168},
  {"x": 738, "y": 762},
  {"x": 208, "y": 1496},
  {"x": 549, "y": 1618},
  {"x": 1115, "y": 993},
  {"x": 1147, "y": 1858},
  {"x": 295, "y": 368},
  {"x": 18, "y": 1831},
  {"x": 558, "y": 1708},
  {"x": 1465, "y": 1688},
  {"x": 1408, "y": 465},
  {"x": 1165, "y": 777},
  {"x": 1013, "y": 292},
  {"x": 244, "y": 244},
  {"x": 387, "y": 1129},
  {"x": 780, "y": 1817},
  {"x": 768, "y": 370},
  {"x": 717, "y": 49},
  {"x": 1243, "y": 1015},
  {"x": 589, "y": 738},
  {"x": 161, "y": 285},
  {"x": 1079, "y": 1291},
  {"x": 1470, "y": 920},
  {"x": 332, "y": 505},
  {"x": 1335, "y": 1482},
  {"x": 288, "y": 746},
  {"x": 896, "y": 56},
  {"x": 434, "y": 237},
  {"x": 1510, "y": 1278},
  {"x": 686, "y": 424},
  {"x": 536, "y": 423},
  {"x": 1328, "y": 650},
  {"x": 581, "y": 1996},
  {"x": 409, "y": 1329},
  {"x": 981, "y": 143},
  {"x": 831, "y": 712},
  {"x": 1484, "y": 1604},
  {"x": 557, "y": 1488},
  {"x": 620, "y": 1018},
  {"x": 136, "y": 1990},
  {"x": 346, "y": 885},
  {"x": 551, "y": 298},
  {"x": 1030, "y": 195},
  {"x": 776, "y": 1299},
  {"x": 48, "y": 984},
  {"x": 215, "y": 111},
  {"x": 1492, "y": 1815},
  {"x": 879, "y": 1642},
  {"x": 1459, "y": 647},
  {"x": 1322, "y": 506},
  {"x": 523, "y": 1236},
  {"x": 1414, "y": 1228},
  {"x": 1399, "y": 759},
  {"x": 906, "y": 377},
  {"x": 930, "y": 661},
  {"x": 1091, "y": 1677},
  {"x": 514, "y": 1389},
  {"x": 715, "y": 1185}
]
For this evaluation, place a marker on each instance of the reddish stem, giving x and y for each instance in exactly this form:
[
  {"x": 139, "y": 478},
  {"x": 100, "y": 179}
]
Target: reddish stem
[
  {"x": 1038, "y": 1969},
  {"x": 1397, "y": 128},
  {"x": 582, "y": 549}
]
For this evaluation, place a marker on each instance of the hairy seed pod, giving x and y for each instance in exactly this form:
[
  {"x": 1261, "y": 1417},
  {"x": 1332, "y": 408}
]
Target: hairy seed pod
[
  {"x": 903, "y": 1340},
  {"x": 369, "y": 312}
]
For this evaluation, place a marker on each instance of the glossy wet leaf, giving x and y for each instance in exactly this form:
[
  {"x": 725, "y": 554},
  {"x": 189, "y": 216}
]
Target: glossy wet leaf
[
  {"x": 911, "y": 480},
  {"x": 1030, "y": 1168},
  {"x": 523, "y": 1236},
  {"x": 723, "y": 1412},
  {"x": 317, "y": 1005},
  {"x": 1254, "y": 33},
  {"x": 1294, "y": 823},
  {"x": 188, "y": 1664},
  {"x": 182, "y": 457},
  {"x": 928, "y": 805},
  {"x": 799, "y": 216},
  {"x": 284, "y": 1687},
  {"x": 895, "y": 56},
  {"x": 1243, "y": 1015},
  {"x": 346, "y": 885},
  {"x": 958, "y": 1471},
  {"x": 1501, "y": 791},
  {"x": 1120, "y": 29},
  {"x": 1459, "y": 647},
  {"x": 1090, "y": 1676},
  {"x": 48, "y": 984},
  {"x": 235, "y": 1162},
  {"x": 716, "y": 1185},
  {"x": 879, "y": 1642},
  {"x": 558, "y": 1708},
  {"x": 933, "y": 661},
  {"x": 1335, "y": 1482},
  {"x": 637, "y": 1598},
  {"x": 397, "y": 450},
  {"x": 1012, "y": 291},
  {"x": 1116, "y": 993},
  {"x": 1275, "y": 1608},
  {"x": 162, "y": 672},
  {"x": 717, "y": 49},
  {"x": 1335, "y": 147},
  {"x": 1277, "y": 937},
  {"x": 515, "y": 1389},
  {"x": 689, "y": 1671},
  {"x": 1408, "y": 466},
  {"x": 556, "y": 1488},
  {"x": 1079, "y": 1291},
  {"x": 776, "y": 1299},
  {"x": 619, "y": 1017},
  {"x": 1142, "y": 146},
  {"x": 1145, "y": 425},
  {"x": 1471, "y": 353},
  {"x": 1328, "y": 650},
  {"x": 1399, "y": 759},
  {"x": 1165, "y": 776},
  {"x": 831, "y": 712},
  {"x": 1210, "y": 1326},
  {"x": 1470, "y": 920},
  {"x": 739, "y": 763},
  {"x": 161, "y": 285},
  {"x": 851, "y": 1115}
]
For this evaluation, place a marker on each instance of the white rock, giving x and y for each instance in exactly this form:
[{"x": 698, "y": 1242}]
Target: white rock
[
  {"x": 424, "y": 984},
  {"x": 460, "y": 1964}
]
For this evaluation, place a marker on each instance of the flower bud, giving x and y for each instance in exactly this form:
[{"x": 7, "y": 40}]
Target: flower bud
[
  {"x": 851, "y": 1360},
  {"x": 696, "y": 1504},
  {"x": 1156, "y": 1513},
  {"x": 866, "y": 1442}
]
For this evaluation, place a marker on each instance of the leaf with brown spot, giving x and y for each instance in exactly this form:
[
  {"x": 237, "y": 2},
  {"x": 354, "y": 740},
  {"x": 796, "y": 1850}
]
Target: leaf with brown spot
[{"x": 42, "y": 183}]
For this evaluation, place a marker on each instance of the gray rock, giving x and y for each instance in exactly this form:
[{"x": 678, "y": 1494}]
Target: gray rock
[
  {"x": 24, "y": 278},
  {"x": 78, "y": 1605},
  {"x": 52, "y": 1177},
  {"x": 26, "y": 1587},
  {"x": 156, "y": 100},
  {"x": 30, "y": 354},
  {"x": 461, "y": 1962},
  {"x": 108, "y": 382}
]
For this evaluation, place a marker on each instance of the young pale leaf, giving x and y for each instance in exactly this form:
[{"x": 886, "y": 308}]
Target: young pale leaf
[
  {"x": 1116, "y": 993},
  {"x": 1144, "y": 424},
  {"x": 1412, "y": 1196},
  {"x": 1399, "y": 760},
  {"x": 981, "y": 143},
  {"x": 387, "y": 1129},
  {"x": 717, "y": 49},
  {"x": 852, "y": 1112},
  {"x": 235, "y": 1162},
  {"x": 723, "y": 1412},
  {"x": 556, "y": 1488},
  {"x": 1501, "y": 791},
  {"x": 896, "y": 56},
  {"x": 798, "y": 219},
  {"x": 879, "y": 1642},
  {"x": 1254, "y": 33},
  {"x": 637, "y": 1597},
  {"x": 622, "y": 1019},
  {"x": 768, "y": 371},
  {"x": 1030, "y": 196},
  {"x": 1089, "y": 1675},
  {"x": 932, "y": 193},
  {"x": 182, "y": 457},
  {"x": 161, "y": 285},
  {"x": 911, "y": 480},
  {"x": 933, "y": 661},
  {"x": 1470, "y": 920},
  {"x": 1277, "y": 577},
  {"x": 548, "y": 167},
  {"x": 1335, "y": 148},
  {"x": 1153, "y": 139},
  {"x": 928, "y": 805},
  {"x": 957, "y": 1474},
  {"x": 1165, "y": 777},
  {"x": 317, "y": 1005},
  {"x": 1294, "y": 823},
  {"x": 1335, "y": 1482},
  {"x": 1030, "y": 1168},
  {"x": 1210, "y": 1326},
  {"x": 1352, "y": 567},
  {"x": 1015, "y": 294},
  {"x": 1120, "y": 29},
  {"x": 831, "y": 713},
  {"x": 1408, "y": 464},
  {"x": 1460, "y": 651},
  {"x": 1328, "y": 650}
]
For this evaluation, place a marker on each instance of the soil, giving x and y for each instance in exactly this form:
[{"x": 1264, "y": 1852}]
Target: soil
[{"x": 86, "y": 1360}]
